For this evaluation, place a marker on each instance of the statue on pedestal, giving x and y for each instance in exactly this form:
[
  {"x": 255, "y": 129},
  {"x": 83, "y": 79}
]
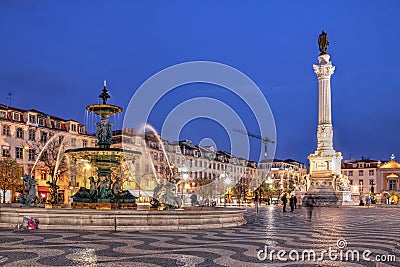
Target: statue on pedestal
[{"x": 323, "y": 42}]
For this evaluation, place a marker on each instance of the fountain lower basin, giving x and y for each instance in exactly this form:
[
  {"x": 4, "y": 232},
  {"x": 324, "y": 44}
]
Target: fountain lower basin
[{"x": 125, "y": 220}]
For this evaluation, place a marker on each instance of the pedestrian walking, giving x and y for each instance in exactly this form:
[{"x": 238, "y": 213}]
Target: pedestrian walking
[
  {"x": 291, "y": 203},
  {"x": 284, "y": 201},
  {"x": 309, "y": 203},
  {"x": 368, "y": 201},
  {"x": 295, "y": 201}
]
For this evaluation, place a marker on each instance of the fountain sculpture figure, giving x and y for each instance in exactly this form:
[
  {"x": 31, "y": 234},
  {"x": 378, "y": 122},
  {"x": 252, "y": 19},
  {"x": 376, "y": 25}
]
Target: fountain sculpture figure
[{"x": 31, "y": 197}]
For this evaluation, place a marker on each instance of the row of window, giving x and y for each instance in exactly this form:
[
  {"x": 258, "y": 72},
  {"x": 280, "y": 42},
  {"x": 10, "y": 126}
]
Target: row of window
[
  {"x": 41, "y": 122},
  {"x": 19, "y": 133},
  {"x": 32, "y": 135},
  {"x": 361, "y": 182},
  {"x": 31, "y": 118},
  {"x": 361, "y": 165},
  {"x": 392, "y": 184},
  {"x": 360, "y": 173},
  {"x": 198, "y": 163},
  {"x": 5, "y": 152}
]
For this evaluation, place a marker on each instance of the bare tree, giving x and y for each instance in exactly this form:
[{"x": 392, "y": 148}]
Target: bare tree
[
  {"x": 10, "y": 176},
  {"x": 49, "y": 156},
  {"x": 204, "y": 187},
  {"x": 51, "y": 161}
]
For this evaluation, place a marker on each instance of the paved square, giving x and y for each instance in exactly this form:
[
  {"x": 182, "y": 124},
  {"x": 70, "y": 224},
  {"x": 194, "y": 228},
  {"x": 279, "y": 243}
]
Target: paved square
[{"x": 374, "y": 229}]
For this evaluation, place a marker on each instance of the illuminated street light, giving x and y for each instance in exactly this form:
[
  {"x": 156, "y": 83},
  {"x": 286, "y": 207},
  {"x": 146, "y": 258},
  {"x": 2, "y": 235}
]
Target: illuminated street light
[
  {"x": 24, "y": 149},
  {"x": 227, "y": 182},
  {"x": 183, "y": 171}
]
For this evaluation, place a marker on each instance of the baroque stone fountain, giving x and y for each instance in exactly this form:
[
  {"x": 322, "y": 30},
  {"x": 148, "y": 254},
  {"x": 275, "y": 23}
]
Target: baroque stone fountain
[{"x": 105, "y": 190}]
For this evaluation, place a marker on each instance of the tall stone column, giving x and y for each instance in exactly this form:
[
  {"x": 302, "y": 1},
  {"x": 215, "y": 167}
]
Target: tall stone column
[
  {"x": 324, "y": 70},
  {"x": 325, "y": 160},
  {"x": 328, "y": 187}
]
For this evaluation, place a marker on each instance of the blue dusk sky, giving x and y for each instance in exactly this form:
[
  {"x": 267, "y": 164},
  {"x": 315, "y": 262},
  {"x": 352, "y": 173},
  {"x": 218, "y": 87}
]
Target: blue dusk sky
[{"x": 56, "y": 54}]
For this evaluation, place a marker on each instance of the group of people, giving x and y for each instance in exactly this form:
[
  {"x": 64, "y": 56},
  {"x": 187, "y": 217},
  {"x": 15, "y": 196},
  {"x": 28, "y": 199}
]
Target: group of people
[
  {"x": 203, "y": 202},
  {"x": 292, "y": 201},
  {"x": 308, "y": 202}
]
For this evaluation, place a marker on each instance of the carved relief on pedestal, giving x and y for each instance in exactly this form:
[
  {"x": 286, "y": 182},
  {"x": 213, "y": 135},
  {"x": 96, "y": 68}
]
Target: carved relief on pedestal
[{"x": 325, "y": 136}]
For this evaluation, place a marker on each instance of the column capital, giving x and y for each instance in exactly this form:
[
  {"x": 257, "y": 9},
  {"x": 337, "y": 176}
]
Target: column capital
[{"x": 325, "y": 70}]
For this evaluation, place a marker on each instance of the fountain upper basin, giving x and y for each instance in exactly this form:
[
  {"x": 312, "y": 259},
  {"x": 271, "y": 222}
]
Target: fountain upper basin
[{"x": 104, "y": 110}]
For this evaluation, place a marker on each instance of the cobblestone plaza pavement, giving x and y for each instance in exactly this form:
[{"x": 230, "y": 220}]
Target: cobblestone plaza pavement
[{"x": 373, "y": 229}]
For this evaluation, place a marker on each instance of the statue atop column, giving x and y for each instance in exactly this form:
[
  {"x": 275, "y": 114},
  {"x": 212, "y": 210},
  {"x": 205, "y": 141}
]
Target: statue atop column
[{"x": 323, "y": 42}]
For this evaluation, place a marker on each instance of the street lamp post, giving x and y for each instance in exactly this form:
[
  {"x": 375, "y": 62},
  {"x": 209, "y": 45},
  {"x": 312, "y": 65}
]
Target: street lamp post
[
  {"x": 183, "y": 171},
  {"x": 227, "y": 183},
  {"x": 24, "y": 164},
  {"x": 269, "y": 185},
  {"x": 361, "y": 193},
  {"x": 85, "y": 168}
]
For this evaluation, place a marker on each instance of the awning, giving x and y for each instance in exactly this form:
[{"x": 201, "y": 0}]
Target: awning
[{"x": 43, "y": 189}]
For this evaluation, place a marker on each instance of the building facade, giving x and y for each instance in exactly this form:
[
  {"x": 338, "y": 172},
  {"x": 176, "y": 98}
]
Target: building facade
[
  {"x": 374, "y": 178},
  {"x": 24, "y": 135},
  {"x": 282, "y": 176},
  {"x": 200, "y": 169}
]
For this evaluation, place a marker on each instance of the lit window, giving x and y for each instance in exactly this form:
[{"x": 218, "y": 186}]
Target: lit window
[
  {"x": 20, "y": 133},
  {"x": 41, "y": 121},
  {"x": 31, "y": 135},
  {"x": 43, "y": 137},
  {"x": 392, "y": 185},
  {"x": 5, "y": 150},
  {"x": 6, "y": 130},
  {"x": 32, "y": 118},
  {"x": 18, "y": 152},
  {"x": 31, "y": 154},
  {"x": 16, "y": 116}
]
